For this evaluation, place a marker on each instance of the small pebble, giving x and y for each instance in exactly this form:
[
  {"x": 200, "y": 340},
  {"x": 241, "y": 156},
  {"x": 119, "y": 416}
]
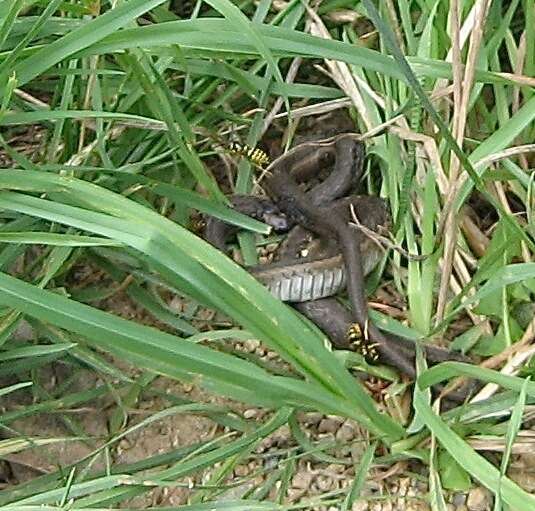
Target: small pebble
[
  {"x": 345, "y": 433},
  {"x": 23, "y": 331},
  {"x": 125, "y": 444},
  {"x": 418, "y": 487},
  {"x": 251, "y": 413},
  {"x": 257, "y": 481},
  {"x": 251, "y": 345},
  {"x": 404, "y": 487},
  {"x": 335, "y": 467},
  {"x": 241, "y": 470},
  {"x": 478, "y": 499},
  {"x": 265, "y": 445},
  {"x": 302, "y": 480},
  {"x": 417, "y": 505},
  {"x": 524, "y": 477},
  {"x": 324, "y": 483},
  {"x": 294, "y": 494},
  {"x": 282, "y": 435},
  {"x": 328, "y": 438},
  {"x": 459, "y": 499},
  {"x": 360, "y": 505},
  {"x": 312, "y": 418},
  {"x": 329, "y": 425},
  {"x": 271, "y": 463}
]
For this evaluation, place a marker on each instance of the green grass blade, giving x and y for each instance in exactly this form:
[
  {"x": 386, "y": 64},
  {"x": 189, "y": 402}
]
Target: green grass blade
[
  {"x": 5, "y": 66},
  {"x": 34, "y": 351},
  {"x": 197, "y": 268},
  {"x": 448, "y": 370},
  {"x": 240, "y": 22},
  {"x": 9, "y": 19},
  {"x": 81, "y": 38},
  {"x": 361, "y": 473},
  {"x": 13, "y": 388},
  {"x": 473, "y": 463},
  {"x": 60, "y": 240}
]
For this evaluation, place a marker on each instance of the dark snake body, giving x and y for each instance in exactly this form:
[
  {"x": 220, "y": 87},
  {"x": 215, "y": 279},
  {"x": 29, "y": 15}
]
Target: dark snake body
[{"x": 345, "y": 255}]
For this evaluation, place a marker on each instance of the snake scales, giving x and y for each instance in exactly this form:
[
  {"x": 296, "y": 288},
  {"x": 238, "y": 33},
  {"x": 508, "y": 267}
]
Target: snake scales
[{"x": 340, "y": 256}]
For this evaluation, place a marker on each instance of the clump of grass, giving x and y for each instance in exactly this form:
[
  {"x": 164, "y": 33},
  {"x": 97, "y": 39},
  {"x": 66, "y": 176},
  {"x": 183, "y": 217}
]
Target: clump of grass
[{"x": 133, "y": 103}]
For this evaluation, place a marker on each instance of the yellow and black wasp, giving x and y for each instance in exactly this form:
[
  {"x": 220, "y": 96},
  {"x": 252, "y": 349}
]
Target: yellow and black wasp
[
  {"x": 253, "y": 154},
  {"x": 361, "y": 344}
]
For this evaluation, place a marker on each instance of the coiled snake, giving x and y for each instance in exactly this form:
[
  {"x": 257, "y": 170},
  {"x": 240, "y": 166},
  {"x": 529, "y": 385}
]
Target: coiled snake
[{"x": 341, "y": 255}]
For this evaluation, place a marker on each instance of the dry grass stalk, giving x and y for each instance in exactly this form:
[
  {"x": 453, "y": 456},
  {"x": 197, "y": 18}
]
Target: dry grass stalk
[
  {"x": 279, "y": 102},
  {"x": 340, "y": 71},
  {"x": 518, "y": 353},
  {"x": 461, "y": 95}
]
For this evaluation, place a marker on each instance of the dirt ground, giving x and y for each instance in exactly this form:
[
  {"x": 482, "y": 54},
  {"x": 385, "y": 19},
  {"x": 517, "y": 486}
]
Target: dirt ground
[{"x": 398, "y": 486}]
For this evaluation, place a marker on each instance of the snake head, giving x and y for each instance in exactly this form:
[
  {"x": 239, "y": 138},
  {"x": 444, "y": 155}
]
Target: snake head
[{"x": 277, "y": 220}]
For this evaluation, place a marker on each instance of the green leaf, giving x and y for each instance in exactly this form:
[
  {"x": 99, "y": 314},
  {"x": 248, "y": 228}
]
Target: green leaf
[
  {"x": 448, "y": 370},
  {"x": 13, "y": 388},
  {"x": 452, "y": 475},
  {"x": 34, "y": 351},
  {"x": 515, "y": 423},
  {"x": 14, "y": 445},
  {"x": 60, "y": 240},
  {"x": 361, "y": 474},
  {"x": 82, "y": 37},
  {"x": 507, "y": 275},
  {"x": 201, "y": 272},
  {"x": 476, "y": 465}
]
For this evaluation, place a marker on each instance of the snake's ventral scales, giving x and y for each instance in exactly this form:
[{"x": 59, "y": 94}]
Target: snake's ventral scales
[{"x": 323, "y": 253}]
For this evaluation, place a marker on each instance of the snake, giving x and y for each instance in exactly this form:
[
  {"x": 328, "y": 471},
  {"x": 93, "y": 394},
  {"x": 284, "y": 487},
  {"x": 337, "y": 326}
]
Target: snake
[{"x": 341, "y": 256}]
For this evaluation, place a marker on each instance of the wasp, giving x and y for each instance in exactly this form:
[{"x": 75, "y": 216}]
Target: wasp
[
  {"x": 361, "y": 344},
  {"x": 253, "y": 154}
]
